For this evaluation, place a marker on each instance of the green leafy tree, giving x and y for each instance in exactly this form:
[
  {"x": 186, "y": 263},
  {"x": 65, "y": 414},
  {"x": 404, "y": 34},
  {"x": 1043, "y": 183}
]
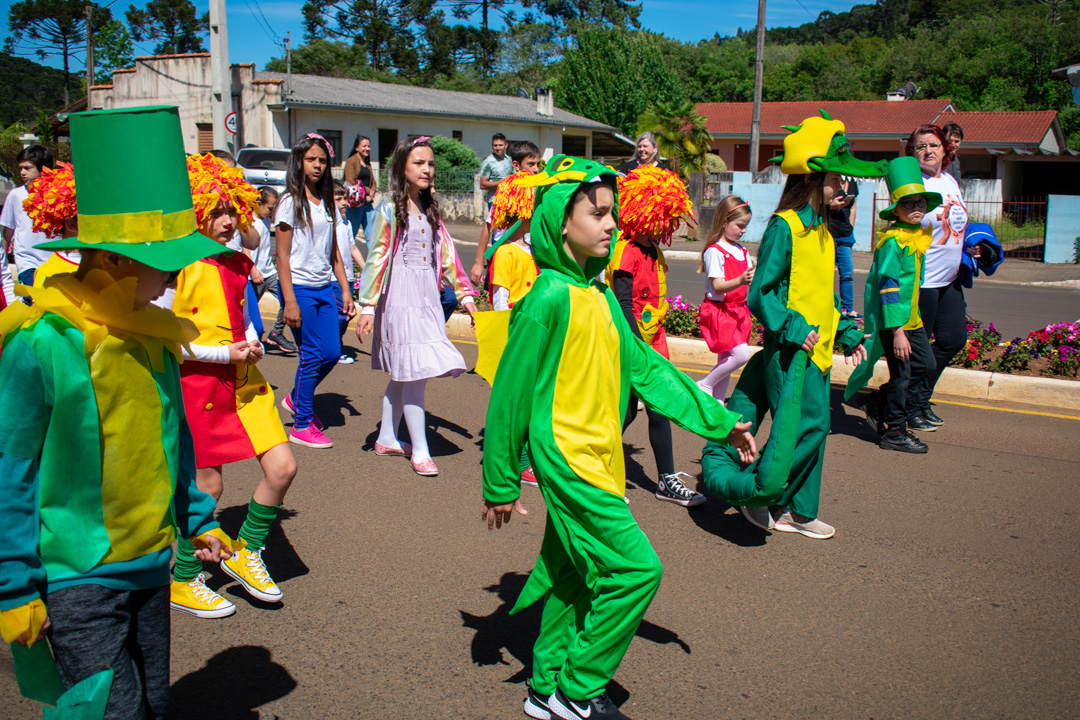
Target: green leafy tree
[
  {"x": 488, "y": 39},
  {"x": 576, "y": 15},
  {"x": 26, "y": 87},
  {"x": 113, "y": 50},
  {"x": 526, "y": 58},
  {"x": 680, "y": 134},
  {"x": 612, "y": 75},
  {"x": 52, "y": 28},
  {"x": 174, "y": 24},
  {"x": 385, "y": 27}
]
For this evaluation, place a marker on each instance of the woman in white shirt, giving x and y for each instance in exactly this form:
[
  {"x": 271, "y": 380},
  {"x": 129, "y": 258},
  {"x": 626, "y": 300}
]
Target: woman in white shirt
[{"x": 941, "y": 297}]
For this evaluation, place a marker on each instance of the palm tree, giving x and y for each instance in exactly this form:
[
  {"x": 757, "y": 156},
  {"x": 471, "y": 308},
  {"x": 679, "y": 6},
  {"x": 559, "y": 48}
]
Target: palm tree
[{"x": 680, "y": 134}]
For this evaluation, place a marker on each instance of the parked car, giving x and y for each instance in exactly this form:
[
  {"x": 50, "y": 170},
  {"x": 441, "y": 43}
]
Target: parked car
[{"x": 264, "y": 166}]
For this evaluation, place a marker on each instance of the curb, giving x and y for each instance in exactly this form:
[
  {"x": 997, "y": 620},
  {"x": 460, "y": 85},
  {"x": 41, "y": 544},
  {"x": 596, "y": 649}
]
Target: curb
[{"x": 959, "y": 382}]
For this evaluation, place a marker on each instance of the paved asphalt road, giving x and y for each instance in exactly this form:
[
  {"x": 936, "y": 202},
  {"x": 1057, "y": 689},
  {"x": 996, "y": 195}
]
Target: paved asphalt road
[{"x": 949, "y": 591}]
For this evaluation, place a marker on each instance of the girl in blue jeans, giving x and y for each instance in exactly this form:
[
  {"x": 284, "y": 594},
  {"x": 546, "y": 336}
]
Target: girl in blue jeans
[
  {"x": 309, "y": 263},
  {"x": 841, "y": 222}
]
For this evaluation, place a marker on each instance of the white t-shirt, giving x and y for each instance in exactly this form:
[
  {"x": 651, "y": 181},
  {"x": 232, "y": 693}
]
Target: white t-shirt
[
  {"x": 311, "y": 246},
  {"x": 27, "y": 257},
  {"x": 947, "y": 224},
  {"x": 263, "y": 256},
  {"x": 345, "y": 245},
  {"x": 714, "y": 268},
  {"x": 7, "y": 283}
]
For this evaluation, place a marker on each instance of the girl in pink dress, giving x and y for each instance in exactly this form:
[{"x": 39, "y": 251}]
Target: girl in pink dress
[{"x": 725, "y": 318}]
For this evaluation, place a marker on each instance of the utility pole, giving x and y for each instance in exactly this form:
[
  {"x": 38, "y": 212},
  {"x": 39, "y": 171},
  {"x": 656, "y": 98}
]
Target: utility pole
[
  {"x": 288, "y": 64},
  {"x": 89, "y": 9},
  {"x": 220, "y": 74},
  {"x": 759, "y": 75}
]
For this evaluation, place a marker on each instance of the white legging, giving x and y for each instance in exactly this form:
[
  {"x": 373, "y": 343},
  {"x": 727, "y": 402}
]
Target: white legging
[
  {"x": 405, "y": 398},
  {"x": 716, "y": 382}
]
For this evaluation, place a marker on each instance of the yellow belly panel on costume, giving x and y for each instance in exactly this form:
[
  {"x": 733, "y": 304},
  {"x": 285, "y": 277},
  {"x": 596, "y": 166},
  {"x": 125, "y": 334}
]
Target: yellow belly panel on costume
[
  {"x": 813, "y": 264},
  {"x": 585, "y": 418},
  {"x": 136, "y": 505},
  {"x": 915, "y": 318}
]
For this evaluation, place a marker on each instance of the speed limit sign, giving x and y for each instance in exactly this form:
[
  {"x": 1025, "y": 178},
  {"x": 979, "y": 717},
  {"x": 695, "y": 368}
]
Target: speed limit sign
[{"x": 230, "y": 122}]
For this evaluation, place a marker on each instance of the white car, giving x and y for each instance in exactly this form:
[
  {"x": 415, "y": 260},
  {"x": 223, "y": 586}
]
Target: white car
[{"x": 264, "y": 166}]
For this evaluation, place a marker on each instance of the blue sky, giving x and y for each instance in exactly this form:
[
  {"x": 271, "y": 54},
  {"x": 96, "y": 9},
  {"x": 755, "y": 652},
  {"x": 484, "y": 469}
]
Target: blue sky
[{"x": 681, "y": 19}]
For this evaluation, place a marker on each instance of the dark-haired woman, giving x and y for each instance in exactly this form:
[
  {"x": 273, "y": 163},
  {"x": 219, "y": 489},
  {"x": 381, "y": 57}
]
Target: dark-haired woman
[
  {"x": 941, "y": 298},
  {"x": 410, "y": 257},
  {"x": 358, "y": 169},
  {"x": 308, "y": 262}
]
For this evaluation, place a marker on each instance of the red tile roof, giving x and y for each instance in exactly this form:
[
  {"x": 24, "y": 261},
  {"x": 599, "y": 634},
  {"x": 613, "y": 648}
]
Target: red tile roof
[
  {"x": 873, "y": 117},
  {"x": 1027, "y": 126}
]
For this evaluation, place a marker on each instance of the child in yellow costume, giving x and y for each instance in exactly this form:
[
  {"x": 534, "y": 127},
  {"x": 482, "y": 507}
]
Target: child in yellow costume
[
  {"x": 97, "y": 469},
  {"x": 791, "y": 295},
  {"x": 229, "y": 404}
]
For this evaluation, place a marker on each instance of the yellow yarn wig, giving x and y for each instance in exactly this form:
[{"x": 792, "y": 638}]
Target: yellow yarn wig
[
  {"x": 214, "y": 182},
  {"x": 653, "y": 203}
]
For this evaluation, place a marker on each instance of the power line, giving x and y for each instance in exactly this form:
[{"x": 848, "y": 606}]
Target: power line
[
  {"x": 812, "y": 16},
  {"x": 263, "y": 23}
]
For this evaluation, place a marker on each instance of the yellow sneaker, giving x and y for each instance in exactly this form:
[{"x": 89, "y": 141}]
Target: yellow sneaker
[
  {"x": 195, "y": 598},
  {"x": 247, "y": 567}
]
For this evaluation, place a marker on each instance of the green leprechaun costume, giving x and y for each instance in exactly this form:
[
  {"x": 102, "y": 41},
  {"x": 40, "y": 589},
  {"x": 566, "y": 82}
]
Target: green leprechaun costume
[
  {"x": 892, "y": 301},
  {"x": 563, "y": 384},
  {"x": 791, "y": 295},
  {"x": 97, "y": 470}
]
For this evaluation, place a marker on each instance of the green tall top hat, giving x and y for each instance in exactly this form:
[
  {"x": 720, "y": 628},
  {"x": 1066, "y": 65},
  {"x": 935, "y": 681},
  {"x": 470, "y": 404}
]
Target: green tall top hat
[
  {"x": 905, "y": 180},
  {"x": 148, "y": 219},
  {"x": 818, "y": 144}
]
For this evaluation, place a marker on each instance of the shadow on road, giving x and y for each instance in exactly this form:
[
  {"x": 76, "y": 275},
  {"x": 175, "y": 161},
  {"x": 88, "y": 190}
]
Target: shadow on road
[
  {"x": 282, "y": 560},
  {"x": 516, "y": 634},
  {"x": 231, "y": 686},
  {"x": 849, "y": 421},
  {"x": 438, "y": 445}
]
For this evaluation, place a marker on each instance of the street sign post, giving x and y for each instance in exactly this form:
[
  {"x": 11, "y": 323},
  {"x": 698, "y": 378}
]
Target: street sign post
[{"x": 230, "y": 122}]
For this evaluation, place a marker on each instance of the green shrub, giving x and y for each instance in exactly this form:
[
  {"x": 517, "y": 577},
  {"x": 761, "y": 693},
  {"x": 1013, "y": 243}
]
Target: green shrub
[{"x": 453, "y": 155}]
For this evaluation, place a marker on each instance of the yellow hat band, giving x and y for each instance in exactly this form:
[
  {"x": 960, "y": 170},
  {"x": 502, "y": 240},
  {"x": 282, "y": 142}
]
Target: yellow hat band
[
  {"x": 138, "y": 227},
  {"x": 895, "y": 195}
]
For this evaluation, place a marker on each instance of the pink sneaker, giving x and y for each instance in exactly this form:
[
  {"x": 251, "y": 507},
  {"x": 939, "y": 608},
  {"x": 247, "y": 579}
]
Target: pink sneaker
[
  {"x": 315, "y": 421},
  {"x": 404, "y": 451},
  {"x": 310, "y": 436},
  {"x": 427, "y": 468}
]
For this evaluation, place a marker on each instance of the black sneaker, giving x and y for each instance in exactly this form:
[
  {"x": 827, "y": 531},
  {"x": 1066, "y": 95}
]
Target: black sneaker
[
  {"x": 900, "y": 440},
  {"x": 281, "y": 341},
  {"x": 598, "y": 708},
  {"x": 932, "y": 418},
  {"x": 921, "y": 423},
  {"x": 671, "y": 489},
  {"x": 536, "y": 706},
  {"x": 871, "y": 407}
]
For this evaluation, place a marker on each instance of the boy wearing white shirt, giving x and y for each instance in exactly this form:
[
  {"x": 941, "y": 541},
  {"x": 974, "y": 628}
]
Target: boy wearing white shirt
[{"x": 18, "y": 228}]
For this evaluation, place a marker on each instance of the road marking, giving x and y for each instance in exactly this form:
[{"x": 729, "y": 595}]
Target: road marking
[{"x": 1009, "y": 410}]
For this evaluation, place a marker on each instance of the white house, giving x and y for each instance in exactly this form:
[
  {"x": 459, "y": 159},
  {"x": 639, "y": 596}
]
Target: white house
[{"x": 274, "y": 109}]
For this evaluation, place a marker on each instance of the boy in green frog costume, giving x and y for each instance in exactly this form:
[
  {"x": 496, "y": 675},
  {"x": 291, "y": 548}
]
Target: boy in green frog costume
[
  {"x": 893, "y": 324},
  {"x": 563, "y": 384},
  {"x": 792, "y": 297}
]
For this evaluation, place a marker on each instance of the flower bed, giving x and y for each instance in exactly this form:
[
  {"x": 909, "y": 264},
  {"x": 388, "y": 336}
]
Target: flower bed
[{"x": 1052, "y": 351}]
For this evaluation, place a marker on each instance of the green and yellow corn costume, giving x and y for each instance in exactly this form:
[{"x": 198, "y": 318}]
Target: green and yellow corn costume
[
  {"x": 791, "y": 295},
  {"x": 563, "y": 384}
]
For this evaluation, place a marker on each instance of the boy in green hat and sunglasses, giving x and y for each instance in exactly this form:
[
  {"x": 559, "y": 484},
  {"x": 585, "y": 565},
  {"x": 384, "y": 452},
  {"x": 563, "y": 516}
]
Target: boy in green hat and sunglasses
[
  {"x": 97, "y": 467},
  {"x": 893, "y": 324}
]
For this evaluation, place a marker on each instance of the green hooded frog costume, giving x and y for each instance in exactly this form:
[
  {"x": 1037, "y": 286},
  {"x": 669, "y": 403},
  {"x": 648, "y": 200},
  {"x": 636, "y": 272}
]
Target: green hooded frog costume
[
  {"x": 791, "y": 295},
  {"x": 563, "y": 384}
]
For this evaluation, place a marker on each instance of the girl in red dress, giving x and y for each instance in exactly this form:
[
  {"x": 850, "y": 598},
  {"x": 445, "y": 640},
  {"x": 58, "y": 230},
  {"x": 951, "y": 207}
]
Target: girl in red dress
[{"x": 725, "y": 318}]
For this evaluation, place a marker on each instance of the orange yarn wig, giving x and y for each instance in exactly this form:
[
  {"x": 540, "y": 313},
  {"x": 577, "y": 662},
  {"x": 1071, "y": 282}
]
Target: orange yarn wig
[
  {"x": 653, "y": 203},
  {"x": 51, "y": 200},
  {"x": 213, "y": 182},
  {"x": 512, "y": 202}
]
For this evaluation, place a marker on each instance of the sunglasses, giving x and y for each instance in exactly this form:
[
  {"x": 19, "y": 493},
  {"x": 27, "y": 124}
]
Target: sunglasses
[{"x": 914, "y": 204}]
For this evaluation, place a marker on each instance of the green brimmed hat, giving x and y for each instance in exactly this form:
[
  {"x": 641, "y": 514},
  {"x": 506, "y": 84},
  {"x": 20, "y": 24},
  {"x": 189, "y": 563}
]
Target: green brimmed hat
[
  {"x": 147, "y": 218},
  {"x": 905, "y": 180},
  {"x": 818, "y": 144}
]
